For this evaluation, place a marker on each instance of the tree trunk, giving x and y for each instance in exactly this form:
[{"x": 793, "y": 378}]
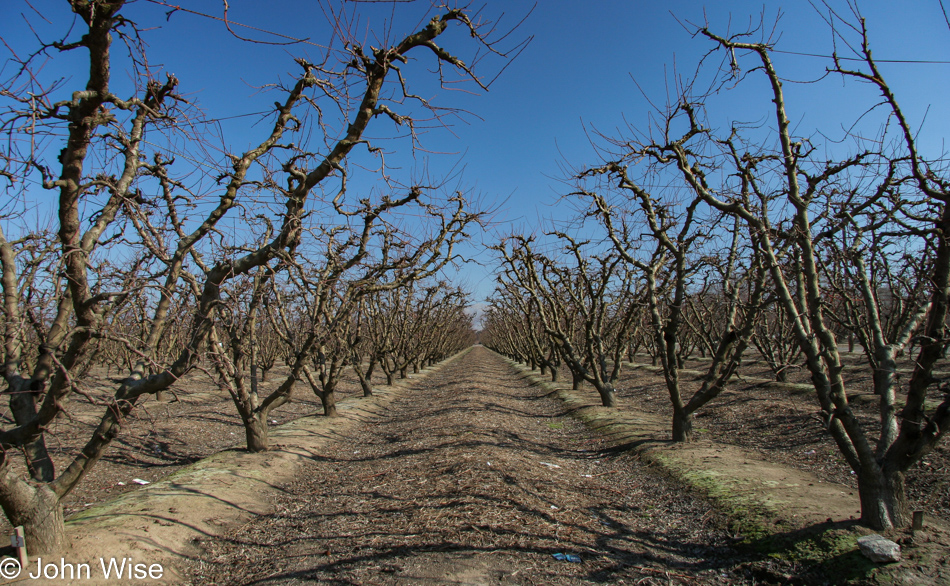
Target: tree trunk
[
  {"x": 389, "y": 378},
  {"x": 554, "y": 374},
  {"x": 328, "y": 399},
  {"x": 256, "y": 432},
  {"x": 402, "y": 373},
  {"x": 367, "y": 389},
  {"x": 576, "y": 380},
  {"x": 45, "y": 531},
  {"x": 364, "y": 381},
  {"x": 608, "y": 396},
  {"x": 883, "y": 500},
  {"x": 38, "y": 510},
  {"x": 682, "y": 425},
  {"x": 23, "y": 408}
]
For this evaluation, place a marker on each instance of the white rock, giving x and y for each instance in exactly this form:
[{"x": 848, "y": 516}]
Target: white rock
[{"x": 879, "y": 549}]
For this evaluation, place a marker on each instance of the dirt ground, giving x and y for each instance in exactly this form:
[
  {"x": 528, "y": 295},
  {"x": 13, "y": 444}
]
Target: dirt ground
[
  {"x": 194, "y": 421},
  {"x": 475, "y": 477},
  {"x": 782, "y": 424},
  {"x": 471, "y": 475}
]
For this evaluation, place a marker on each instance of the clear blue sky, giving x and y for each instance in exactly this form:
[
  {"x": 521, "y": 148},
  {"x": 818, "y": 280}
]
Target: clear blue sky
[{"x": 577, "y": 74}]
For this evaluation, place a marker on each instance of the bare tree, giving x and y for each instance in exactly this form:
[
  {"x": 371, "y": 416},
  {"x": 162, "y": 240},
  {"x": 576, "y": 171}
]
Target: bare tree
[
  {"x": 586, "y": 307},
  {"x": 515, "y": 328},
  {"x": 796, "y": 201},
  {"x": 670, "y": 269},
  {"x": 775, "y": 341},
  {"x": 113, "y": 192},
  {"x": 361, "y": 347}
]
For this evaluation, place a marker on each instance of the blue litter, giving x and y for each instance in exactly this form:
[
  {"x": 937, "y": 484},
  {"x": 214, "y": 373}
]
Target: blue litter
[{"x": 567, "y": 557}]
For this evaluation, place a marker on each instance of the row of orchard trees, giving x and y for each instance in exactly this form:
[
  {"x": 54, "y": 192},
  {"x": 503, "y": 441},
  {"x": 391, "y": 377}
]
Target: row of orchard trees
[
  {"x": 165, "y": 258},
  {"x": 719, "y": 241}
]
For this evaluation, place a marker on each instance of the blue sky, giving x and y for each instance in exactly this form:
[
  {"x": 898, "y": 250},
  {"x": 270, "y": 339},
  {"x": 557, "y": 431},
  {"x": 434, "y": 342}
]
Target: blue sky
[{"x": 581, "y": 72}]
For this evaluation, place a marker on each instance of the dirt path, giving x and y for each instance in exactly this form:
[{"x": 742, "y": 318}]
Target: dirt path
[
  {"x": 160, "y": 523},
  {"x": 475, "y": 478}
]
